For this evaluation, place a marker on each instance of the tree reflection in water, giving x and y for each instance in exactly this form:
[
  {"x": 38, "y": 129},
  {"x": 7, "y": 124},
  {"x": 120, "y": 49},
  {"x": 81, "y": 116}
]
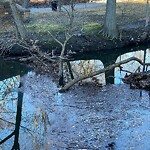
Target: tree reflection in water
[
  {"x": 132, "y": 66},
  {"x": 7, "y": 86}
]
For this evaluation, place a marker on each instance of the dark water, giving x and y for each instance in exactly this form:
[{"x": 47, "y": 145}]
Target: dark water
[
  {"x": 86, "y": 117},
  {"x": 9, "y": 69}
]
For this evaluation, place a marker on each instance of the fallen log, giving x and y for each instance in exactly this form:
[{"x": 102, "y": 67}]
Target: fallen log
[{"x": 110, "y": 67}]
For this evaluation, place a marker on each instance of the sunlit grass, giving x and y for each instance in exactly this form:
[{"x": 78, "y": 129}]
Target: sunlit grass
[
  {"x": 87, "y": 18},
  {"x": 44, "y": 28},
  {"x": 126, "y": 12},
  {"x": 91, "y": 27}
]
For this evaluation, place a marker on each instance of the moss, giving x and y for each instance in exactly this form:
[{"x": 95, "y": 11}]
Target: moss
[
  {"x": 44, "y": 28},
  {"x": 92, "y": 27}
]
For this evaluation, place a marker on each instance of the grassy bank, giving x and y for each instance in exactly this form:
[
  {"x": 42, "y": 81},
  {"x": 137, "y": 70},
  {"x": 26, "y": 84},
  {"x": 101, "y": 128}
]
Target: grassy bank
[
  {"x": 87, "y": 21},
  {"x": 55, "y": 21}
]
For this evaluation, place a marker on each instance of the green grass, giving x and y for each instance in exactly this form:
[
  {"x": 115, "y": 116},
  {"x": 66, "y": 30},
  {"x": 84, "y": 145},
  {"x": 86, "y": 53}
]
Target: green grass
[
  {"x": 91, "y": 27},
  {"x": 44, "y": 28}
]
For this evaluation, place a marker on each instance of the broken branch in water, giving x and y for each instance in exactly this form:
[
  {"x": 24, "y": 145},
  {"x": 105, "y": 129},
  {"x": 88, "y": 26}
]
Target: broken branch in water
[{"x": 110, "y": 67}]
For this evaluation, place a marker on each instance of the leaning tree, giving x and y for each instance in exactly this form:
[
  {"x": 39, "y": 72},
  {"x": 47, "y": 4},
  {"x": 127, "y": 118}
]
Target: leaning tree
[{"x": 18, "y": 21}]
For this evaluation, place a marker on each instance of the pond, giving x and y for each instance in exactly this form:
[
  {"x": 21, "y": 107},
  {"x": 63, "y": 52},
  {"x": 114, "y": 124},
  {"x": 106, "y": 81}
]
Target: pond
[{"x": 112, "y": 117}]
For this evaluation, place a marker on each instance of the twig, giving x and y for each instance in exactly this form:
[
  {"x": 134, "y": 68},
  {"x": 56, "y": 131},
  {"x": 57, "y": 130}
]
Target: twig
[
  {"x": 126, "y": 71},
  {"x": 22, "y": 46},
  {"x": 55, "y": 39},
  {"x": 26, "y": 59}
]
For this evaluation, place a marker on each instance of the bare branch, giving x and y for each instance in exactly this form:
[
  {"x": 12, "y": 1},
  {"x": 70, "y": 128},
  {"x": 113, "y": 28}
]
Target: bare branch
[
  {"x": 14, "y": 124},
  {"x": 55, "y": 39},
  {"x": 110, "y": 67}
]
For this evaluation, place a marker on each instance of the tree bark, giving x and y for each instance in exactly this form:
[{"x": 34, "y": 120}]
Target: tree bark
[
  {"x": 26, "y": 3},
  {"x": 110, "y": 25},
  {"x": 18, "y": 21},
  {"x": 60, "y": 3},
  {"x": 147, "y": 13}
]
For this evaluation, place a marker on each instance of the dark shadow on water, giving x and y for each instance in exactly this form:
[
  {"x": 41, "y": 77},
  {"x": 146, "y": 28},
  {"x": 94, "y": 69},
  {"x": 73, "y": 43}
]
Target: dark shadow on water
[
  {"x": 10, "y": 69},
  {"x": 15, "y": 133}
]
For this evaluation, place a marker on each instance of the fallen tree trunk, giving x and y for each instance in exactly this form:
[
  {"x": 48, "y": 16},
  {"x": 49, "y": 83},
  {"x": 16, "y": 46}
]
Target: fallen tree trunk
[{"x": 110, "y": 67}]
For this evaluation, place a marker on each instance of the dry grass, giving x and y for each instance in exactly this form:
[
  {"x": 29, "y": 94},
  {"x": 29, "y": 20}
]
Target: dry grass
[
  {"x": 127, "y": 12},
  {"x": 130, "y": 12},
  {"x": 136, "y": 1}
]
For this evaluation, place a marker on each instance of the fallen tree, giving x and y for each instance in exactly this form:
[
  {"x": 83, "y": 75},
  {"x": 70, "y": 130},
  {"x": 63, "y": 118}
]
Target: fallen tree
[
  {"x": 110, "y": 67},
  {"x": 43, "y": 58}
]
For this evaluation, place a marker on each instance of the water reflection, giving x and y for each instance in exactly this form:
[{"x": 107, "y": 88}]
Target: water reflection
[
  {"x": 76, "y": 121},
  {"x": 85, "y": 67},
  {"x": 132, "y": 66},
  {"x": 10, "y": 103},
  {"x": 7, "y": 95},
  {"x": 6, "y": 87},
  {"x": 82, "y": 119},
  {"x": 137, "y": 134}
]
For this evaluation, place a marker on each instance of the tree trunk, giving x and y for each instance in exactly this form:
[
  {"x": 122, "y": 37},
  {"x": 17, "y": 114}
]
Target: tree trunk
[
  {"x": 110, "y": 25},
  {"x": 18, "y": 20},
  {"x": 26, "y": 3},
  {"x": 147, "y": 13},
  {"x": 59, "y": 4}
]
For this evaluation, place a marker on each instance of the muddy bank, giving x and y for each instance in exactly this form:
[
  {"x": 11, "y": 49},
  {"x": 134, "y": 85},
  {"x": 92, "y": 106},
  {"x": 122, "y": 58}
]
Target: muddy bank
[
  {"x": 112, "y": 117},
  {"x": 95, "y": 42}
]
